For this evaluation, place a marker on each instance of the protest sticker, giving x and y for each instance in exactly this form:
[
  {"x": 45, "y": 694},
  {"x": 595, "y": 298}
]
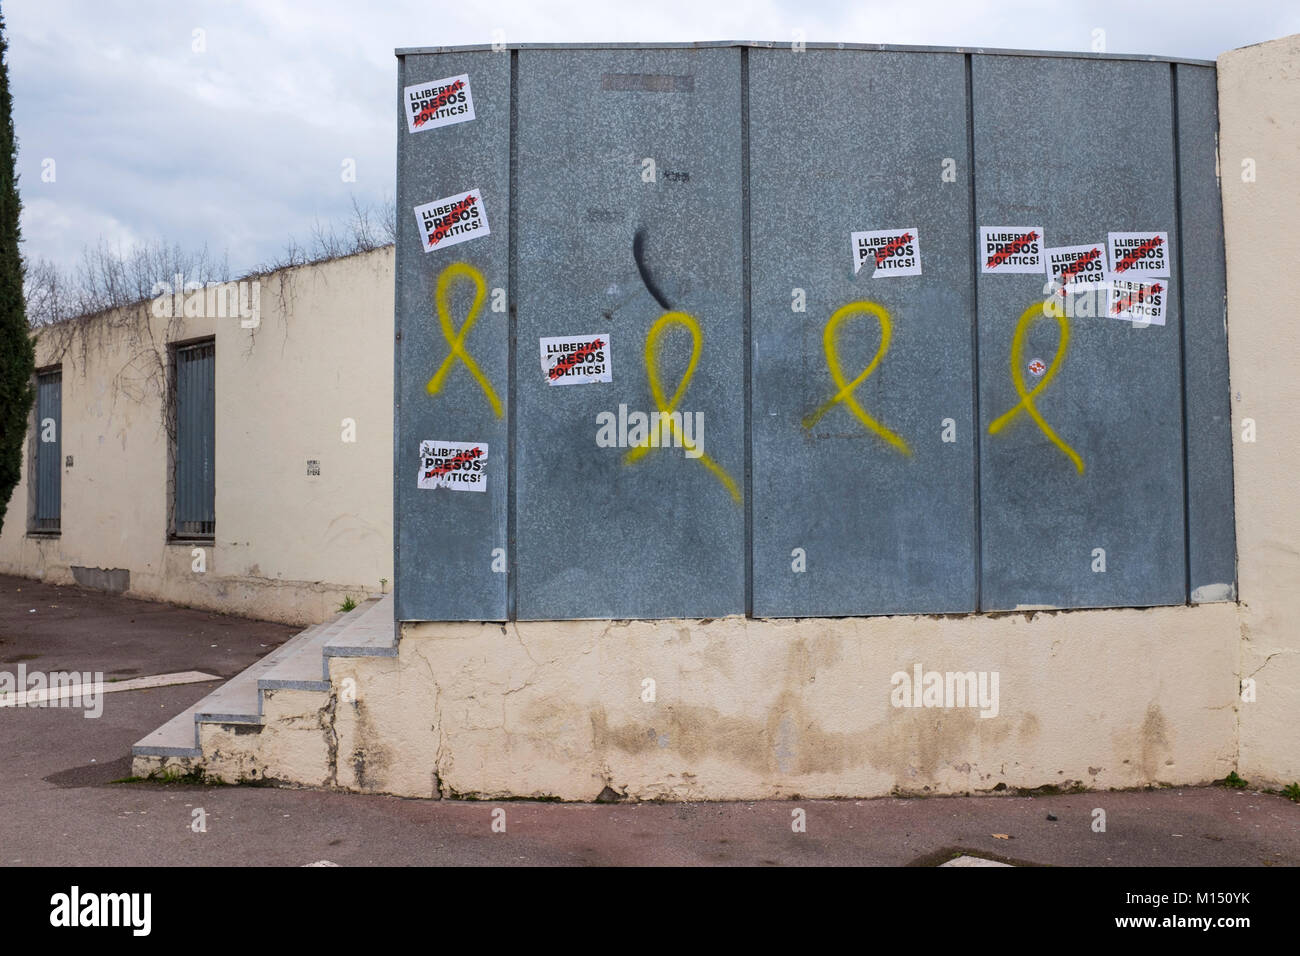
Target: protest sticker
[
  {"x": 1143, "y": 254},
  {"x": 1077, "y": 266},
  {"x": 438, "y": 103},
  {"x": 455, "y": 219},
  {"x": 1142, "y": 303},
  {"x": 890, "y": 252},
  {"x": 576, "y": 359},
  {"x": 458, "y": 465},
  {"x": 1008, "y": 249}
]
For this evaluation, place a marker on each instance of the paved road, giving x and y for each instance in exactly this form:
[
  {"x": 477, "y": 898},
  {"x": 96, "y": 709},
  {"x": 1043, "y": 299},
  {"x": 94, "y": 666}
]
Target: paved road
[{"x": 59, "y": 804}]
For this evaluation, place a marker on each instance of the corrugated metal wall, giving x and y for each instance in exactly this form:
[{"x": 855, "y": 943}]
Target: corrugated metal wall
[
  {"x": 713, "y": 275},
  {"x": 195, "y": 480}
]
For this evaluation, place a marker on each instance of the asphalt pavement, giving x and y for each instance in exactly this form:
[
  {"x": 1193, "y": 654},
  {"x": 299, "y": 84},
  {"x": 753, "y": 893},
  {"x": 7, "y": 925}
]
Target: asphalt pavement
[{"x": 65, "y": 799}]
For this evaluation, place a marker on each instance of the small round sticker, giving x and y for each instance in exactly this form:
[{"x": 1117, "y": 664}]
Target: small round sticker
[{"x": 1037, "y": 367}]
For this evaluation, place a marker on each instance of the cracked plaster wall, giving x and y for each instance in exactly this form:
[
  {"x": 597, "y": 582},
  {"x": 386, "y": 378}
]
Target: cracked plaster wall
[{"x": 1259, "y": 129}]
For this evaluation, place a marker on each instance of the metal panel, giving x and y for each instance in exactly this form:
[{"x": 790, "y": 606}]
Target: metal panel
[
  {"x": 841, "y": 140},
  {"x": 195, "y": 485},
  {"x": 858, "y": 143},
  {"x": 785, "y": 45},
  {"x": 49, "y": 451},
  {"x": 448, "y": 541},
  {"x": 1080, "y": 148},
  {"x": 1212, "y": 540},
  {"x": 599, "y": 535}
]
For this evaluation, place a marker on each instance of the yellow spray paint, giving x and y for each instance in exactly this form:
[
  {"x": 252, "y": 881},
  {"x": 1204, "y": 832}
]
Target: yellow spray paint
[
  {"x": 1026, "y": 403},
  {"x": 846, "y": 389},
  {"x": 449, "y": 275},
  {"x": 667, "y": 406}
]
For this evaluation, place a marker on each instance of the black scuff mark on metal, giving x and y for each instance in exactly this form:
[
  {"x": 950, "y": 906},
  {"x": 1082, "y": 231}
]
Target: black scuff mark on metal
[{"x": 638, "y": 253}]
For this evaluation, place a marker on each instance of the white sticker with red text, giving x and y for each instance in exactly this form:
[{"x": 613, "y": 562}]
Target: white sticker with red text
[
  {"x": 576, "y": 359},
  {"x": 1011, "y": 249},
  {"x": 1076, "y": 266},
  {"x": 889, "y": 252},
  {"x": 438, "y": 103},
  {"x": 458, "y": 465},
  {"x": 1139, "y": 254},
  {"x": 455, "y": 219},
  {"x": 1142, "y": 303}
]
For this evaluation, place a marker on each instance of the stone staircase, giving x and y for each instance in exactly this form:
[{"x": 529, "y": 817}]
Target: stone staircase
[{"x": 275, "y": 720}]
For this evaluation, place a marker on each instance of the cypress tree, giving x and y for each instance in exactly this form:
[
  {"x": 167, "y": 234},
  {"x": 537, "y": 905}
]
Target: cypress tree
[{"x": 17, "y": 355}]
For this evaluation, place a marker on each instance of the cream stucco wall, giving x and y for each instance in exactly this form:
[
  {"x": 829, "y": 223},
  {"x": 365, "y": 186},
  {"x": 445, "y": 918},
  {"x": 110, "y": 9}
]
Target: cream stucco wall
[
  {"x": 1259, "y": 127},
  {"x": 750, "y": 709},
  {"x": 747, "y": 709},
  {"x": 288, "y": 546}
]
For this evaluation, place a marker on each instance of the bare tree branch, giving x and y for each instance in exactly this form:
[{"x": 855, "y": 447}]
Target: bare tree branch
[{"x": 108, "y": 277}]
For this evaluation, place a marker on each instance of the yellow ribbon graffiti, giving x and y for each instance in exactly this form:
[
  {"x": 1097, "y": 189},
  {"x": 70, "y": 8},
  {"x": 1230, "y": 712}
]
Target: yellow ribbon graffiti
[
  {"x": 667, "y": 406},
  {"x": 1026, "y": 403},
  {"x": 846, "y": 389},
  {"x": 460, "y": 270}
]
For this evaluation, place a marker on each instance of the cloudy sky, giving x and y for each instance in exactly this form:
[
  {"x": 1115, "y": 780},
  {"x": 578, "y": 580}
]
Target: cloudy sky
[{"x": 237, "y": 142}]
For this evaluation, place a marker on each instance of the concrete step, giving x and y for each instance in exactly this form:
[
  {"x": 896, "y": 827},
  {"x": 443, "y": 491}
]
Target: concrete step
[
  {"x": 238, "y": 701},
  {"x": 300, "y": 663},
  {"x": 179, "y": 737},
  {"x": 303, "y": 669},
  {"x": 373, "y": 634}
]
